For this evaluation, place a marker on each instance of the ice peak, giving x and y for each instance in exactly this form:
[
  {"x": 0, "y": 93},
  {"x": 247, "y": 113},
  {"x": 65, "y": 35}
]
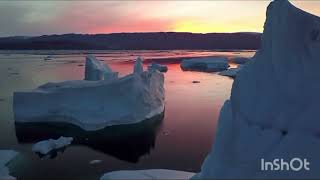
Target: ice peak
[
  {"x": 138, "y": 66},
  {"x": 95, "y": 70}
]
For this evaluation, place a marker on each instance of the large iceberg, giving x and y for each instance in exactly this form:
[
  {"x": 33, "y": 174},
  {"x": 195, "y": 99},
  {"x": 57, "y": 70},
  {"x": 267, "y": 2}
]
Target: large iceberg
[
  {"x": 93, "y": 105},
  {"x": 95, "y": 70},
  {"x": 207, "y": 64},
  {"x": 274, "y": 105},
  {"x": 160, "y": 174},
  {"x": 5, "y": 157}
]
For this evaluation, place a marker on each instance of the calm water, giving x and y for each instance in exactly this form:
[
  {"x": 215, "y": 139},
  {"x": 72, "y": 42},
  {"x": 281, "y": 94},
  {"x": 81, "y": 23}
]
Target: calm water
[{"x": 179, "y": 139}]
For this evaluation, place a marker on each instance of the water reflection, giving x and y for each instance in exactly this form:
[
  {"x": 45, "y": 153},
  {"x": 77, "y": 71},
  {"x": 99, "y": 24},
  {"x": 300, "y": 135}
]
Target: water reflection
[
  {"x": 125, "y": 142},
  {"x": 52, "y": 154}
]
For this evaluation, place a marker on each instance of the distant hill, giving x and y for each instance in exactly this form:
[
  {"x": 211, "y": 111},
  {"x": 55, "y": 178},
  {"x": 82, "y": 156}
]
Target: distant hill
[{"x": 135, "y": 41}]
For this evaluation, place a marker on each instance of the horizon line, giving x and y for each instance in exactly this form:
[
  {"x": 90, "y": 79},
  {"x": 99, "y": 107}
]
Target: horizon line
[{"x": 92, "y": 34}]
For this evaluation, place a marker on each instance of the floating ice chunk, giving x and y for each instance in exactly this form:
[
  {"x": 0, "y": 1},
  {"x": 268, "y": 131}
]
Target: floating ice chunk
[
  {"x": 148, "y": 174},
  {"x": 5, "y": 157},
  {"x": 96, "y": 161},
  {"x": 93, "y": 105},
  {"x": 274, "y": 105},
  {"x": 138, "y": 66},
  {"x": 231, "y": 72},
  {"x": 95, "y": 70},
  {"x": 44, "y": 147},
  {"x": 208, "y": 64},
  {"x": 159, "y": 67}
]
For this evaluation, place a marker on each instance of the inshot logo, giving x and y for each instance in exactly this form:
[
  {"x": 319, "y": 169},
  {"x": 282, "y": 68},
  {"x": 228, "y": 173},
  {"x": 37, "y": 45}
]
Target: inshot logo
[{"x": 295, "y": 164}]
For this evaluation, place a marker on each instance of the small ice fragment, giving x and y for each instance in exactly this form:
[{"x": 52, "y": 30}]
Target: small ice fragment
[
  {"x": 44, "y": 147},
  {"x": 96, "y": 161},
  {"x": 208, "y": 64}
]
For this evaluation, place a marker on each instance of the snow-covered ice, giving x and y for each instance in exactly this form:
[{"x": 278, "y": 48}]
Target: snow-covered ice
[
  {"x": 207, "y": 64},
  {"x": 93, "y": 105},
  {"x": 96, "y": 70},
  {"x": 274, "y": 105},
  {"x": 138, "y": 66},
  {"x": 231, "y": 72},
  {"x": 44, "y": 147},
  {"x": 5, "y": 157},
  {"x": 159, "y": 67},
  {"x": 148, "y": 174}
]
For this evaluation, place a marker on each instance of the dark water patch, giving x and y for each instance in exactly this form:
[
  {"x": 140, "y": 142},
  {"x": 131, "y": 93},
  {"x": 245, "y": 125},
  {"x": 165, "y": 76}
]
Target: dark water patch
[
  {"x": 52, "y": 154},
  {"x": 125, "y": 142}
]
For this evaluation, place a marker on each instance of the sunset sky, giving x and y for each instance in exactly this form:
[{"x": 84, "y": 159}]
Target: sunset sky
[{"x": 29, "y": 18}]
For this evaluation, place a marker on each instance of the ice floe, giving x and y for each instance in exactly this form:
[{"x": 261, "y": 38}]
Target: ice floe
[
  {"x": 44, "y": 147},
  {"x": 207, "y": 64}
]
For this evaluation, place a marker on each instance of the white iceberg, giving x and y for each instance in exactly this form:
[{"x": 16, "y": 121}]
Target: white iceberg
[
  {"x": 207, "y": 64},
  {"x": 274, "y": 105},
  {"x": 5, "y": 157},
  {"x": 93, "y": 105},
  {"x": 159, "y": 67},
  {"x": 96, "y": 70},
  {"x": 44, "y": 147},
  {"x": 138, "y": 66},
  {"x": 231, "y": 72},
  {"x": 153, "y": 174}
]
